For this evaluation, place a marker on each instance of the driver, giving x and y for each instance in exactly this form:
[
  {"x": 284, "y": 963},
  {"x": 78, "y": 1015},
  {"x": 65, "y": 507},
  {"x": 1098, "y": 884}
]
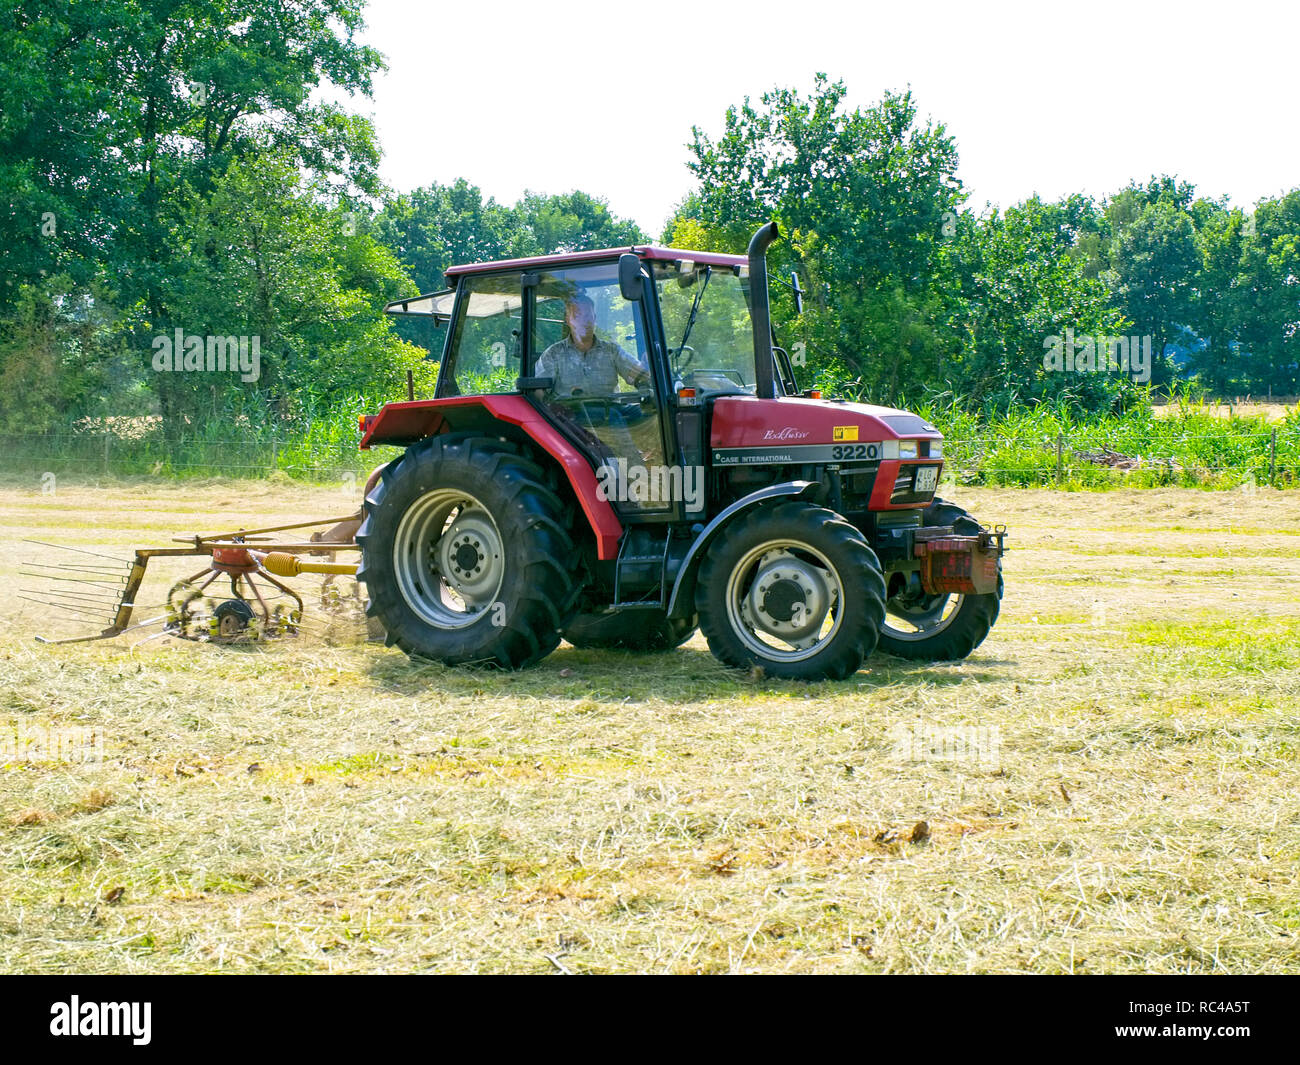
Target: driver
[{"x": 580, "y": 363}]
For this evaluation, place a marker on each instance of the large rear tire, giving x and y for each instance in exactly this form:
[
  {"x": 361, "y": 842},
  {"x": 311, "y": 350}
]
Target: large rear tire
[
  {"x": 632, "y": 630},
  {"x": 793, "y": 589},
  {"x": 465, "y": 554}
]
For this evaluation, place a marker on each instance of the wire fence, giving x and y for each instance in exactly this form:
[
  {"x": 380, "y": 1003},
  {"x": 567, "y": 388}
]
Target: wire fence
[
  {"x": 1079, "y": 459},
  {"x": 113, "y": 455},
  {"x": 1086, "y": 458}
]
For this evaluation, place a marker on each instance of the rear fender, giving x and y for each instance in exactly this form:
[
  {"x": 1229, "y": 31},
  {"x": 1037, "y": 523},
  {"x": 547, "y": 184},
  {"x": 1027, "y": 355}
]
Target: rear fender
[
  {"x": 682, "y": 601},
  {"x": 408, "y": 422}
]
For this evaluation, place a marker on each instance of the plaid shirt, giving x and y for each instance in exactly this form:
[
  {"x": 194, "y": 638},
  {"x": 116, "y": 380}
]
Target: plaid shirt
[{"x": 594, "y": 372}]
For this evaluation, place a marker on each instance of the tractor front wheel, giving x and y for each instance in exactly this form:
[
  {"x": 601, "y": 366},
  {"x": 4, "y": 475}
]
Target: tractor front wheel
[
  {"x": 465, "y": 554},
  {"x": 941, "y": 627},
  {"x": 794, "y": 590}
]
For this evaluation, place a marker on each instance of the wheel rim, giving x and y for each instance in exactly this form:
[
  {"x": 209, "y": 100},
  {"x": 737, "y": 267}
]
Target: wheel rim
[
  {"x": 785, "y": 600},
  {"x": 448, "y": 558},
  {"x": 232, "y": 617},
  {"x": 922, "y": 619}
]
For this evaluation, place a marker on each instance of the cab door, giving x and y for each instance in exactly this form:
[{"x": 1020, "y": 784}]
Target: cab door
[{"x": 604, "y": 388}]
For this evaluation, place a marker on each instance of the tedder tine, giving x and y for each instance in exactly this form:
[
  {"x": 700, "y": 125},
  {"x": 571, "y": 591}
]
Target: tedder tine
[{"x": 104, "y": 590}]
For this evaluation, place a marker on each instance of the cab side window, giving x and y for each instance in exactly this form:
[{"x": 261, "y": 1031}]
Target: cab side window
[{"x": 486, "y": 345}]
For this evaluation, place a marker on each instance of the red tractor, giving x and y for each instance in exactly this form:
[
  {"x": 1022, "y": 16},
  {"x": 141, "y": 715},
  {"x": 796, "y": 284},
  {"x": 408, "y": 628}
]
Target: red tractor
[{"x": 617, "y": 452}]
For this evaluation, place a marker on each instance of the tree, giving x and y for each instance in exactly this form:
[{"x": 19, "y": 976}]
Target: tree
[
  {"x": 433, "y": 228},
  {"x": 61, "y": 184},
  {"x": 1018, "y": 285},
  {"x": 120, "y": 119},
  {"x": 1268, "y": 290},
  {"x": 1155, "y": 261},
  {"x": 1217, "y": 318},
  {"x": 573, "y": 221},
  {"x": 908, "y": 292},
  {"x": 265, "y": 258}
]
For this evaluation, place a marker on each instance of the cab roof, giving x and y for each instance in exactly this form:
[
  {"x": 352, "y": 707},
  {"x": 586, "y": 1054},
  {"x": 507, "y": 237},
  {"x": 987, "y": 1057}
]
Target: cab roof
[{"x": 644, "y": 251}]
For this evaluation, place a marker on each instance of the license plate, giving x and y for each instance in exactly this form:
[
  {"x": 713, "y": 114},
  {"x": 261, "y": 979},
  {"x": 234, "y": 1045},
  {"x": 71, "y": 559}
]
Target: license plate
[{"x": 927, "y": 479}]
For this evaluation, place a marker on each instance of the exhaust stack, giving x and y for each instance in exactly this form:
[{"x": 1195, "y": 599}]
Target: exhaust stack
[{"x": 760, "y": 311}]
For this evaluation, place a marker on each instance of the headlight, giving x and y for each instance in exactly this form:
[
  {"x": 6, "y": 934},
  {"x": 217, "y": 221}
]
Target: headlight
[
  {"x": 936, "y": 449},
  {"x": 907, "y": 449}
]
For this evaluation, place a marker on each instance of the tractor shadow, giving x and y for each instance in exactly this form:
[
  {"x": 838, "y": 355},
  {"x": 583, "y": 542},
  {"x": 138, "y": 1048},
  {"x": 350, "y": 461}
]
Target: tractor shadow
[{"x": 685, "y": 675}]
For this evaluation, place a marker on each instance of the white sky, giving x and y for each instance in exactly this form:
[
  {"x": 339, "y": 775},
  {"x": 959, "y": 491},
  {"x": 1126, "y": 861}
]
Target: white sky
[{"x": 1041, "y": 97}]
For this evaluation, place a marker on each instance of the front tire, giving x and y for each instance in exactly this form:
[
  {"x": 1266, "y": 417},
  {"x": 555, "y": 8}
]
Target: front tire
[
  {"x": 944, "y": 627},
  {"x": 792, "y": 589},
  {"x": 940, "y": 628},
  {"x": 465, "y": 554}
]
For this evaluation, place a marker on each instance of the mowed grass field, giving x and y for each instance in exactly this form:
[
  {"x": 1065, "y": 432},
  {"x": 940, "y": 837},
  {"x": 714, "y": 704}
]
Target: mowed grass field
[{"x": 324, "y": 805}]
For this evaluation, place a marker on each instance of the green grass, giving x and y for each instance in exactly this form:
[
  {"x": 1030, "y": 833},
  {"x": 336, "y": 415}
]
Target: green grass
[
  {"x": 307, "y": 806},
  {"x": 1187, "y": 445}
]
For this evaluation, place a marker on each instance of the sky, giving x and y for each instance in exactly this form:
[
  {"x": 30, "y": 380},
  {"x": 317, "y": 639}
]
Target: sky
[{"x": 1041, "y": 97}]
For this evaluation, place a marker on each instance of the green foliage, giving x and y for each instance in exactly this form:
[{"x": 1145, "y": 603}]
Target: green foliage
[
  {"x": 912, "y": 294},
  {"x": 1267, "y": 319},
  {"x": 436, "y": 227},
  {"x": 147, "y": 146},
  {"x": 1186, "y": 443},
  {"x": 439, "y": 226},
  {"x": 60, "y": 353},
  {"x": 906, "y": 288},
  {"x": 167, "y": 164},
  {"x": 265, "y": 258}
]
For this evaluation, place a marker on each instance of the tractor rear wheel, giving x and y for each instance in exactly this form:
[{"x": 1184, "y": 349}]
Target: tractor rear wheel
[
  {"x": 465, "y": 554},
  {"x": 792, "y": 589},
  {"x": 943, "y": 627},
  {"x": 632, "y": 630}
]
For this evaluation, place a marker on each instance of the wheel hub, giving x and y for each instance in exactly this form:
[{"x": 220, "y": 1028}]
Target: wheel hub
[
  {"x": 789, "y": 598},
  {"x": 466, "y": 559},
  {"x": 783, "y": 600},
  {"x": 469, "y": 557},
  {"x": 448, "y": 558}
]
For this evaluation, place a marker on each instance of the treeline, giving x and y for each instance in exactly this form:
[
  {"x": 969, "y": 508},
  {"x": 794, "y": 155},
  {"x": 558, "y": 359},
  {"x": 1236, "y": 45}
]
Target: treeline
[
  {"x": 173, "y": 187},
  {"x": 915, "y": 294},
  {"x": 174, "y": 192}
]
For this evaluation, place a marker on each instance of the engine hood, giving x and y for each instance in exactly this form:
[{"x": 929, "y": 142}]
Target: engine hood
[{"x": 791, "y": 421}]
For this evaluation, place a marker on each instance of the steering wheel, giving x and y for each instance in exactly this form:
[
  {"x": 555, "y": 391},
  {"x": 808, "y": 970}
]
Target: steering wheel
[{"x": 603, "y": 406}]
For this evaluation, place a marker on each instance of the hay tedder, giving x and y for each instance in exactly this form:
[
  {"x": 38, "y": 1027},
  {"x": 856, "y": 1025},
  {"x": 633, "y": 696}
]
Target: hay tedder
[
  {"x": 239, "y": 595},
  {"x": 617, "y": 453}
]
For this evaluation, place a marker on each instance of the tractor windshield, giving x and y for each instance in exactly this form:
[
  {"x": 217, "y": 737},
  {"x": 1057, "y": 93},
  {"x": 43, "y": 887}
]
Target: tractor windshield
[{"x": 706, "y": 325}]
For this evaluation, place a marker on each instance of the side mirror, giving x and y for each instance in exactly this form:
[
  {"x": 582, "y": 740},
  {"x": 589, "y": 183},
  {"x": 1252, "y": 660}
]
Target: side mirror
[{"x": 630, "y": 281}]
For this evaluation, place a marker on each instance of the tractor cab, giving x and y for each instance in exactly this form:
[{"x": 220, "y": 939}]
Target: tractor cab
[{"x": 621, "y": 350}]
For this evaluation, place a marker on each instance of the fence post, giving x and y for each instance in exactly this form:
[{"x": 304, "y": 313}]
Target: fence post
[
  {"x": 1060, "y": 447},
  {"x": 275, "y": 454},
  {"x": 107, "y": 441},
  {"x": 1272, "y": 459}
]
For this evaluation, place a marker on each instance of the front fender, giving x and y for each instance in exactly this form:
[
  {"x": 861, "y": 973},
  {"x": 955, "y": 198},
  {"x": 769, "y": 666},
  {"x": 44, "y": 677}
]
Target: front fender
[{"x": 681, "y": 603}]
